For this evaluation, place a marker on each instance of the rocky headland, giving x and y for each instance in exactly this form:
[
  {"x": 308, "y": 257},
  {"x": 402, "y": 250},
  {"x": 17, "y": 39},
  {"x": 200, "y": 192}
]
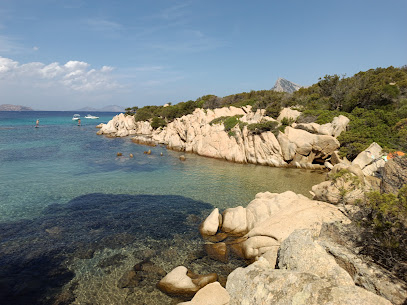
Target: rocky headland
[
  {"x": 300, "y": 145},
  {"x": 297, "y": 249}
]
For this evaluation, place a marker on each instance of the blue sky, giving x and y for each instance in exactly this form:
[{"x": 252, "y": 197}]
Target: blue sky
[{"x": 67, "y": 54}]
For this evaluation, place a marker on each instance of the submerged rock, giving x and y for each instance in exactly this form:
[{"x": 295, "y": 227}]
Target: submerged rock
[{"x": 182, "y": 282}]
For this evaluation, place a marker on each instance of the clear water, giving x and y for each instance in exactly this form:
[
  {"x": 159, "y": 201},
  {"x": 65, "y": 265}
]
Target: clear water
[{"x": 65, "y": 192}]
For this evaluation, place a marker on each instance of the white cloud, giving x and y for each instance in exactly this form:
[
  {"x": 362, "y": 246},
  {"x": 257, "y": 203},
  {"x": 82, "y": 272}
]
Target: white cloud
[{"x": 74, "y": 75}]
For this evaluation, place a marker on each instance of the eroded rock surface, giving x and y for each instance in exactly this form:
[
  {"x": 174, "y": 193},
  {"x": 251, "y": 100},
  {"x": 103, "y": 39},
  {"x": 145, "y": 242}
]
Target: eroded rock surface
[
  {"x": 307, "y": 275},
  {"x": 196, "y": 133}
]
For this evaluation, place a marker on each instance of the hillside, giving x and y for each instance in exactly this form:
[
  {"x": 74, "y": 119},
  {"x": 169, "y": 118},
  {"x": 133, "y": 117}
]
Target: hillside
[
  {"x": 9, "y": 107},
  {"x": 375, "y": 101}
]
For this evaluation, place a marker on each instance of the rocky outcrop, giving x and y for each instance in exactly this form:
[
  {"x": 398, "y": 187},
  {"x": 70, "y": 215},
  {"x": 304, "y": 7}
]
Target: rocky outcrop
[
  {"x": 268, "y": 220},
  {"x": 370, "y": 160},
  {"x": 288, "y": 113},
  {"x": 348, "y": 182},
  {"x": 123, "y": 126},
  {"x": 213, "y": 294},
  {"x": 298, "y": 256},
  {"x": 307, "y": 275},
  {"x": 299, "y": 252},
  {"x": 195, "y": 133},
  {"x": 366, "y": 274},
  {"x": 394, "y": 175},
  {"x": 334, "y": 129}
]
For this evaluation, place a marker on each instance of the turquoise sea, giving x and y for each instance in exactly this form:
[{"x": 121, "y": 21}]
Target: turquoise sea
[{"x": 75, "y": 217}]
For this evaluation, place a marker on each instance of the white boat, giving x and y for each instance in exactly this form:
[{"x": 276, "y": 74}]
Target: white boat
[
  {"x": 89, "y": 116},
  {"x": 76, "y": 117}
]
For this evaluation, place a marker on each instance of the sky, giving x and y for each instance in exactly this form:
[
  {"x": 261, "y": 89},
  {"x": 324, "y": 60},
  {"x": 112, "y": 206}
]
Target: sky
[{"x": 69, "y": 54}]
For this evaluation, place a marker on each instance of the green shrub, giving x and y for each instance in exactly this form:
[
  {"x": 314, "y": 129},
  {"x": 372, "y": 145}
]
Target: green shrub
[
  {"x": 382, "y": 219},
  {"x": 273, "y": 110},
  {"x": 229, "y": 122},
  {"x": 258, "y": 128},
  {"x": 367, "y": 126},
  {"x": 158, "y": 122},
  {"x": 320, "y": 116}
]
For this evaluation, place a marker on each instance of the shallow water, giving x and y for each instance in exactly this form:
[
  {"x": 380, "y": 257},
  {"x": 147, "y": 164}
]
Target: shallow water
[{"x": 67, "y": 202}]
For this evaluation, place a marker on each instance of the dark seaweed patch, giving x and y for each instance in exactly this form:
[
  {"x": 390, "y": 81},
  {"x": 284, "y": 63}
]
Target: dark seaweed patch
[{"x": 32, "y": 252}]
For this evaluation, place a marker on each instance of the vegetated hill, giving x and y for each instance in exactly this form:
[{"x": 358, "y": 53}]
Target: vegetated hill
[
  {"x": 9, "y": 107},
  {"x": 375, "y": 101},
  {"x": 109, "y": 108},
  {"x": 283, "y": 85}
]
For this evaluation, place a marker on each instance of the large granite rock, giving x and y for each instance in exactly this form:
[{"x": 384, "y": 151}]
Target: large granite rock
[
  {"x": 307, "y": 275},
  {"x": 260, "y": 284},
  {"x": 210, "y": 225},
  {"x": 270, "y": 218},
  {"x": 347, "y": 183},
  {"x": 211, "y": 294},
  {"x": 288, "y": 113},
  {"x": 370, "y": 160},
  {"x": 322, "y": 145},
  {"x": 366, "y": 274},
  {"x": 394, "y": 175},
  {"x": 124, "y": 125},
  {"x": 334, "y": 129},
  {"x": 299, "y": 252}
]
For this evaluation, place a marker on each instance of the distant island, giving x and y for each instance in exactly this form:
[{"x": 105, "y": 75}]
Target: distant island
[
  {"x": 9, "y": 107},
  {"x": 109, "y": 108}
]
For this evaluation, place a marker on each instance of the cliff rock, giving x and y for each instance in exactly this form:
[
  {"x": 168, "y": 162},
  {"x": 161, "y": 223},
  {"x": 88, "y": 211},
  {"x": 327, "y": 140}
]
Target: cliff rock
[
  {"x": 300, "y": 280},
  {"x": 394, "y": 175}
]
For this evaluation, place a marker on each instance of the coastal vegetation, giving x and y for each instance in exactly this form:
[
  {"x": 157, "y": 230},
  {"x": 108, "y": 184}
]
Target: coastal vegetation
[
  {"x": 382, "y": 229},
  {"x": 375, "y": 101}
]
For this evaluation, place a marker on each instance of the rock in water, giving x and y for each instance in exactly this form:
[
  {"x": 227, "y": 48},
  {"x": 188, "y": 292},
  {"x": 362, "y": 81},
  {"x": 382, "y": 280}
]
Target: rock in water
[
  {"x": 218, "y": 251},
  {"x": 211, "y": 224},
  {"x": 182, "y": 282}
]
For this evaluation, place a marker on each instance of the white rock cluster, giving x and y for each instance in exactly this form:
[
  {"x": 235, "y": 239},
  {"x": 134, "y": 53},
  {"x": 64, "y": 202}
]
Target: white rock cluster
[
  {"x": 269, "y": 219},
  {"x": 359, "y": 176},
  {"x": 194, "y": 133}
]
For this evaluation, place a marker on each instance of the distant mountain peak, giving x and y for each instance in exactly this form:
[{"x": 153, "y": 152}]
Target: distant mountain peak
[{"x": 283, "y": 85}]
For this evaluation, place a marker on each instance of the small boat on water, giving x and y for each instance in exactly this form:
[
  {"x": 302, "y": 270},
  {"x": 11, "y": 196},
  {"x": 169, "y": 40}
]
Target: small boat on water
[
  {"x": 89, "y": 116},
  {"x": 76, "y": 117}
]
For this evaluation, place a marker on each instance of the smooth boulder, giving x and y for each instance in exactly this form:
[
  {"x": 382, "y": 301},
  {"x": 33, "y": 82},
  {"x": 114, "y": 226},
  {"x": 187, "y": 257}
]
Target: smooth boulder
[{"x": 182, "y": 282}]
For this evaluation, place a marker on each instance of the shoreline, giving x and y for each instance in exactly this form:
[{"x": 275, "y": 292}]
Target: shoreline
[
  {"x": 196, "y": 133},
  {"x": 178, "y": 138}
]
